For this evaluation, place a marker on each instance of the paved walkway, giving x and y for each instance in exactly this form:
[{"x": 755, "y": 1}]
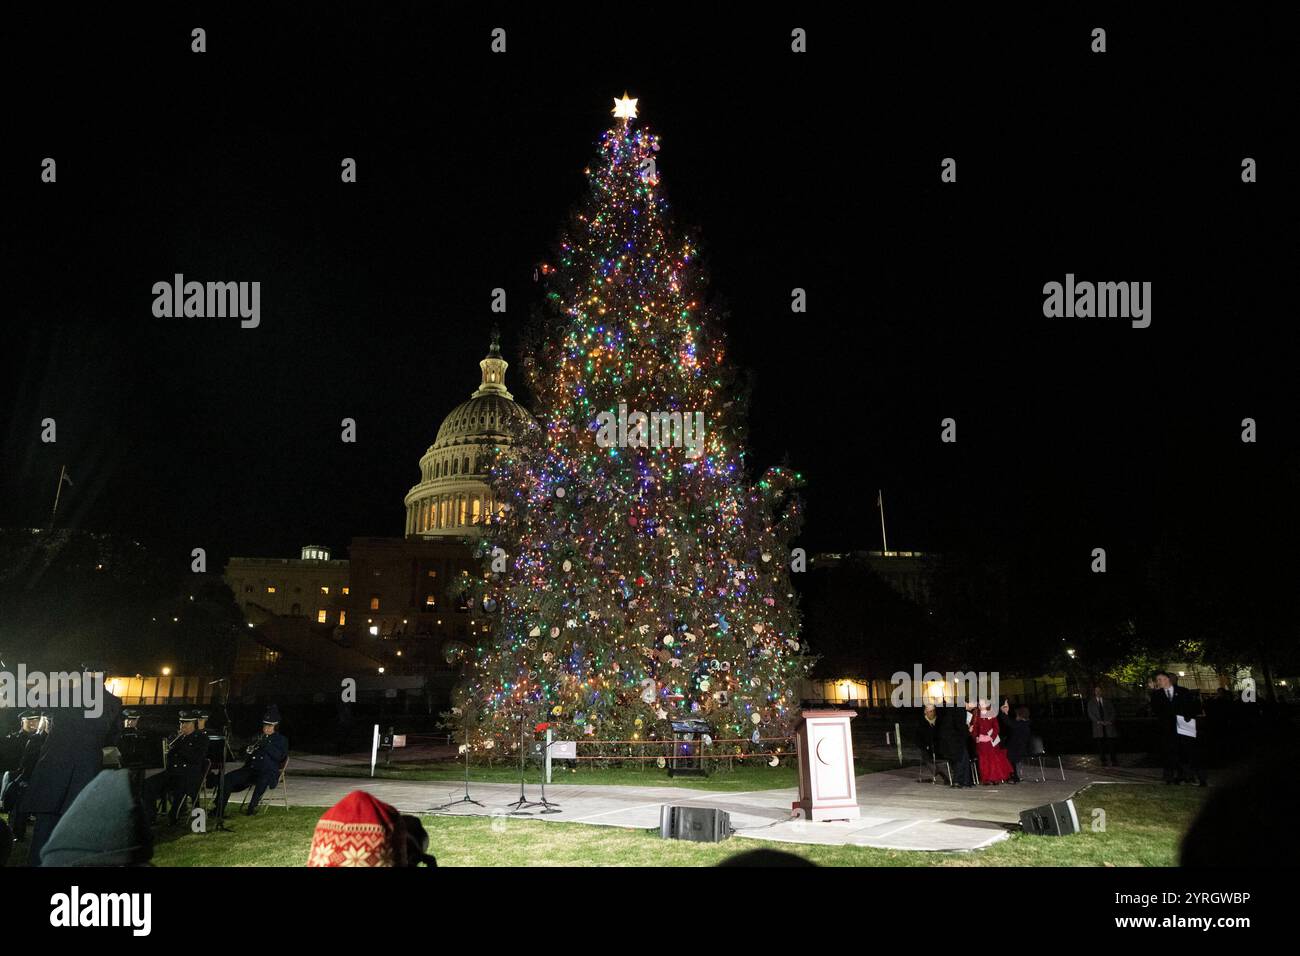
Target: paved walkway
[{"x": 897, "y": 811}]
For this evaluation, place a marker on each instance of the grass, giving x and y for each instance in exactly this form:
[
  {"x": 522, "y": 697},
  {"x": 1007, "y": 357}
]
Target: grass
[
  {"x": 742, "y": 777},
  {"x": 1143, "y": 825}
]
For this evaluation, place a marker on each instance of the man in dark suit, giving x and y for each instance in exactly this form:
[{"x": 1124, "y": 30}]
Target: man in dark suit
[
  {"x": 954, "y": 743},
  {"x": 264, "y": 759},
  {"x": 1101, "y": 713},
  {"x": 1176, "y": 709},
  {"x": 72, "y": 757},
  {"x": 927, "y": 731}
]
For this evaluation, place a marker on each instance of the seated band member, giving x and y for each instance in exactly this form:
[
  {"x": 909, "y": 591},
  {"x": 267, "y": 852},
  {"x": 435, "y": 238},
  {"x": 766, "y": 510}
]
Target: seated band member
[
  {"x": 264, "y": 758},
  {"x": 27, "y": 743},
  {"x": 180, "y": 778},
  {"x": 131, "y": 742},
  {"x": 12, "y": 746},
  {"x": 216, "y": 747}
]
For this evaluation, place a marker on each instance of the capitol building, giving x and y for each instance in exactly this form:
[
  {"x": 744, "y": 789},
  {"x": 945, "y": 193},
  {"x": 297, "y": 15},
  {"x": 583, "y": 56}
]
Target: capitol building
[
  {"x": 453, "y": 497},
  {"x": 396, "y": 601}
]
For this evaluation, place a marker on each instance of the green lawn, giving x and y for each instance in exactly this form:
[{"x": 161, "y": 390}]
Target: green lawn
[
  {"x": 1143, "y": 826},
  {"x": 743, "y": 776}
]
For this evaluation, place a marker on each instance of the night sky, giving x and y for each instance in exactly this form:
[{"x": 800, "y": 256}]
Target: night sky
[{"x": 819, "y": 171}]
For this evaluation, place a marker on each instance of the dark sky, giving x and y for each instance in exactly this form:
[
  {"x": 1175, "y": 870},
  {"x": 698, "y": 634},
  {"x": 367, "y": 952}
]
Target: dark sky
[{"x": 818, "y": 171}]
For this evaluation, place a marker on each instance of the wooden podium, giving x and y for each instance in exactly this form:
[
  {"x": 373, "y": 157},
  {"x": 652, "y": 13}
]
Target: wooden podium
[{"x": 827, "y": 788}]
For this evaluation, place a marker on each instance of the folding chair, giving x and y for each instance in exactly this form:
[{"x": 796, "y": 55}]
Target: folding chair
[
  {"x": 196, "y": 797},
  {"x": 934, "y": 769},
  {"x": 281, "y": 788},
  {"x": 1039, "y": 752},
  {"x": 205, "y": 792}
]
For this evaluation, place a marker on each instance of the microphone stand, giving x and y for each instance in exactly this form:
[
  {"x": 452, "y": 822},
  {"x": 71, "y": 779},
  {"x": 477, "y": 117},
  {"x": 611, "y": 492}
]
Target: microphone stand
[
  {"x": 523, "y": 801},
  {"x": 467, "y": 798},
  {"x": 226, "y": 752},
  {"x": 546, "y": 805}
]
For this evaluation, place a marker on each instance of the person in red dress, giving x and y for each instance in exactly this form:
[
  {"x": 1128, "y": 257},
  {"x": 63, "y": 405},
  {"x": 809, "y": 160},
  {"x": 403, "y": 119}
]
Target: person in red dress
[{"x": 993, "y": 762}]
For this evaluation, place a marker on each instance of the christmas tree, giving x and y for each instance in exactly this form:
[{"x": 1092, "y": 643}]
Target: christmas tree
[{"x": 635, "y": 573}]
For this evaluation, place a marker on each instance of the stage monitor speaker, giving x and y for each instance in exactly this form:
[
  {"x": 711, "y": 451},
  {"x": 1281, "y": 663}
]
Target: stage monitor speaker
[
  {"x": 1051, "y": 819},
  {"x": 700, "y": 824}
]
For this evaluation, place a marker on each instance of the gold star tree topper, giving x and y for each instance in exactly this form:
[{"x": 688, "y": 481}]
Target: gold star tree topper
[{"x": 624, "y": 108}]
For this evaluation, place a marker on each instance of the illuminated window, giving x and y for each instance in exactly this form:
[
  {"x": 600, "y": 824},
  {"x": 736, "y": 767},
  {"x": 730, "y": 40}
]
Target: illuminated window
[
  {"x": 428, "y": 600},
  {"x": 433, "y": 574},
  {"x": 270, "y": 589},
  {"x": 343, "y": 618},
  {"x": 374, "y": 630},
  {"x": 345, "y": 590},
  {"x": 321, "y": 616},
  {"x": 324, "y": 589},
  {"x": 374, "y": 602}
]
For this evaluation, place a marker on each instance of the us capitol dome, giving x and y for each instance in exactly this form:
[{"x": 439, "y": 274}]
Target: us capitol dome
[{"x": 453, "y": 497}]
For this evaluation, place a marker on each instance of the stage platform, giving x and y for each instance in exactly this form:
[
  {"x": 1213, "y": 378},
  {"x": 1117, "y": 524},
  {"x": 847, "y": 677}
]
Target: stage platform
[{"x": 897, "y": 811}]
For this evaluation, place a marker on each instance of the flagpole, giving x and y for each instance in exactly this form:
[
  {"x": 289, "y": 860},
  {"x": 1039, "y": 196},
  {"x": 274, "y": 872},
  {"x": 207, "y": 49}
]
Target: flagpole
[
  {"x": 880, "y": 500},
  {"x": 55, "y": 510}
]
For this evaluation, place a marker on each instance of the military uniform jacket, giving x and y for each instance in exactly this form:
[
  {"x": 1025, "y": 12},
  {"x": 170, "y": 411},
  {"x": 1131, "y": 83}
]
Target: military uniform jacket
[
  {"x": 188, "y": 753},
  {"x": 267, "y": 759}
]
